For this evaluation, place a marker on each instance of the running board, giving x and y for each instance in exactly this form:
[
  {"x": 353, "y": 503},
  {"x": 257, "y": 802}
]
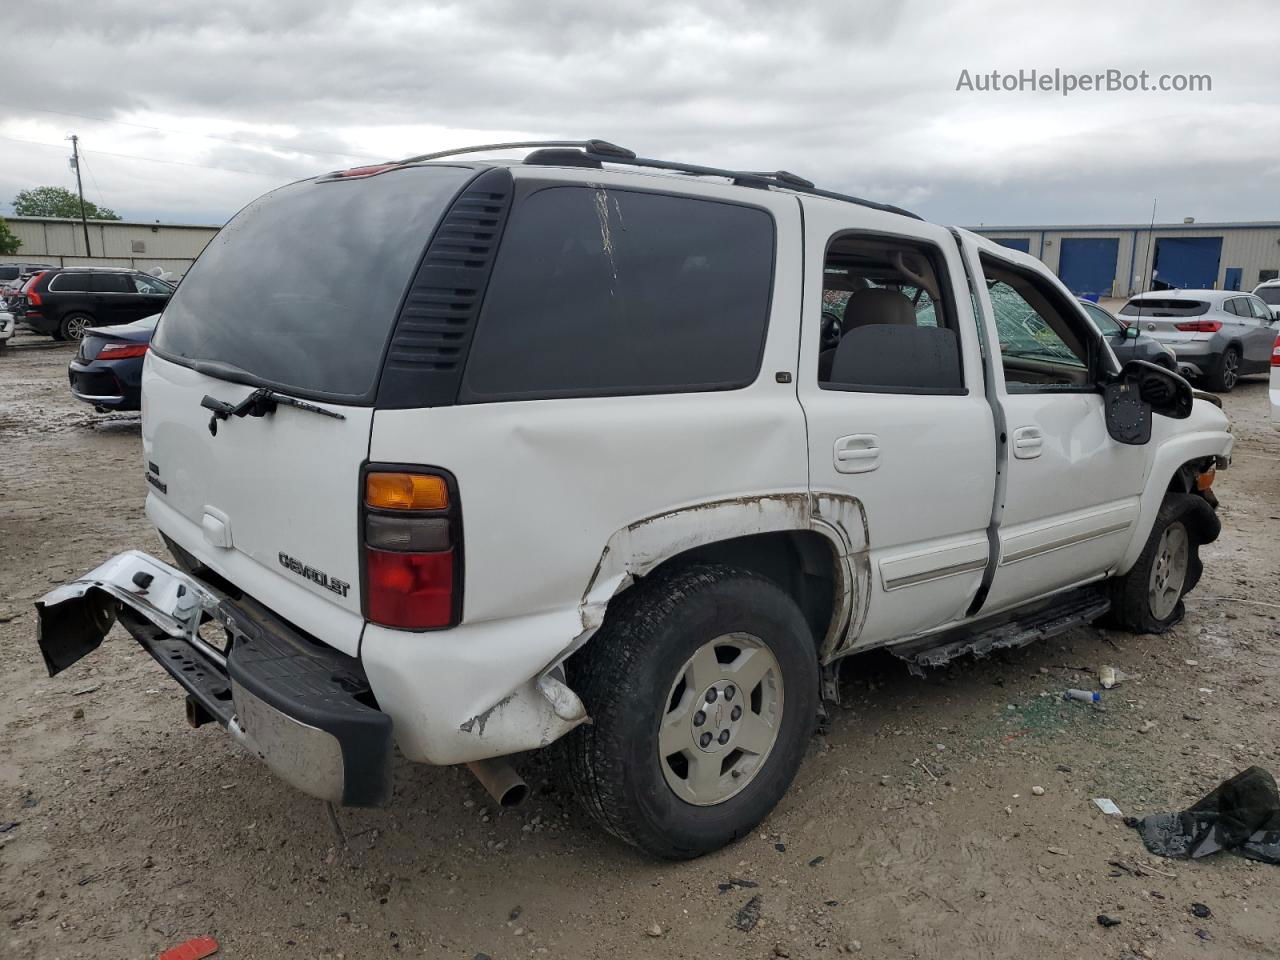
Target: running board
[{"x": 1015, "y": 629}]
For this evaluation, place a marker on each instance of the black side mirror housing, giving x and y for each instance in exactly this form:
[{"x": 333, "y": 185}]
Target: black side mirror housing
[{"x": 1138, "y": 392}]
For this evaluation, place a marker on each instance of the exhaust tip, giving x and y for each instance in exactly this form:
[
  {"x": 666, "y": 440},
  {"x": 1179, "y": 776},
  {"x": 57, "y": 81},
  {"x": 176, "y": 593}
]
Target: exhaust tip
[{"x": 500, "y": 781}]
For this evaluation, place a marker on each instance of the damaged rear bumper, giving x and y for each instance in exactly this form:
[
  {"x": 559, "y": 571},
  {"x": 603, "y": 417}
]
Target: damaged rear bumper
[{"x": 304, "y": 709}]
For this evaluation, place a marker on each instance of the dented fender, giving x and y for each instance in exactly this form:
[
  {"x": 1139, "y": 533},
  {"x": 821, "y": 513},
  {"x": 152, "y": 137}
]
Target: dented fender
[{"x": 640, "y": 547}]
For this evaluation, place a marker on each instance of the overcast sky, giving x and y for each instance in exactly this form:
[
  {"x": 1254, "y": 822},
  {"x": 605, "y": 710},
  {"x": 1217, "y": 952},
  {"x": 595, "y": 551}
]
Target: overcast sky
[{"x": 239, "y": 96}]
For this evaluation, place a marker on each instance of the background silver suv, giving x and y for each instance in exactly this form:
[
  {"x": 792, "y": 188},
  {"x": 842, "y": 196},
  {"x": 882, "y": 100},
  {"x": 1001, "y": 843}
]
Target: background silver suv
[{"x": 1219, "y": 335}]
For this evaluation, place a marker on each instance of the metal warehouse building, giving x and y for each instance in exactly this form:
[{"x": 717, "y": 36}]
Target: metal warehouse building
[
  {"x": 1122, "y": 260},
  {"x": 118, "y": 243}
]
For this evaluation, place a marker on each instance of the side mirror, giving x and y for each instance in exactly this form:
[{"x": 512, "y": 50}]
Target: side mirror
[
  {"x": 1141, "y": 390},
  {"x": 1131, "y": 333}
]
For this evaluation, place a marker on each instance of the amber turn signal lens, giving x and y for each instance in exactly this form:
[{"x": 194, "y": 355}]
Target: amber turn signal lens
[
  {"x": 405, "y": 491},
  {"x": 1205, "y": 480}
]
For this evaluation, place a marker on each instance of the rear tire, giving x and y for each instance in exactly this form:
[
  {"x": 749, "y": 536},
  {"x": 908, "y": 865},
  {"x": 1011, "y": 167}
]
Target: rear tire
[
  {"x": 1226, "y": 372},
  {"x": 702, "y": 686},
  {"x": 1148, "y": 599},
  {"x": 73, "y": 326}
]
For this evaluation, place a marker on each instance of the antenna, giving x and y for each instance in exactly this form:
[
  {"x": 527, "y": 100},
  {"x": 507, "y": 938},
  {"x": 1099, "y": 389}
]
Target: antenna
[{"x": 1149, "y": 255}]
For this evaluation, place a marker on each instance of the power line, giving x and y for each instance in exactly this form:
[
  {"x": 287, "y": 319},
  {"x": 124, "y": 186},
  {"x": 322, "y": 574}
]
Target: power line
[
  {"x": 188, "y": 133},
  {"x": 130, "y": 156}
]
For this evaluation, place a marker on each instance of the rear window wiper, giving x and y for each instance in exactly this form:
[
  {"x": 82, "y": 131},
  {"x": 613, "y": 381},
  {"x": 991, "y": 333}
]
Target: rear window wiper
[{"x": 259, "y": 403}]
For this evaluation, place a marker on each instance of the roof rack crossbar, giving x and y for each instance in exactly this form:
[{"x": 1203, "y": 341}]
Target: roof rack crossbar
[{"x": 599, "y": 148}]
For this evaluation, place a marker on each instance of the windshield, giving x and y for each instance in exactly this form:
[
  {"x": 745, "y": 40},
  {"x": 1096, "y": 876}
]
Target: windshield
[
  {"x": 301, "y": 289},
  {"x": 1269, "y": 295}
]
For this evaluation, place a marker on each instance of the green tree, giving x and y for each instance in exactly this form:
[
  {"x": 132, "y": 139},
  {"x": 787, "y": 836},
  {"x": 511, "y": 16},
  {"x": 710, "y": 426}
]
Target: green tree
[
  {"x": 57, "y": 202},
  {"x": 9, "y": 242}
]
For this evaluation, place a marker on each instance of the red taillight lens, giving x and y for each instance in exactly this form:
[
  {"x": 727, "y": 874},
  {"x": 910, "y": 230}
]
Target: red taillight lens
[
  {"x": 410, "y": 590},
  {"x": 122, "y": 351},
  {"x": 1200, "y": 326},
  {"x": 1275, "y": 354},
  {"x": 412, "y": 549}
]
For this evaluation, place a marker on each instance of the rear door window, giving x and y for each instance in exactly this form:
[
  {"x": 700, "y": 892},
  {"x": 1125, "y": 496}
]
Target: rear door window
[
  {"x": 611, "y": 292},
  {"x": 301, "y": 289},
  {"x": 111, "y": 283}
]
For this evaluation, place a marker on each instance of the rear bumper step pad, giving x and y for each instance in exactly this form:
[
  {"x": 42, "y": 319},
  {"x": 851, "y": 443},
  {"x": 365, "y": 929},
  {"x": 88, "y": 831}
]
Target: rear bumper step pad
[{"x": 306, "y": 710}]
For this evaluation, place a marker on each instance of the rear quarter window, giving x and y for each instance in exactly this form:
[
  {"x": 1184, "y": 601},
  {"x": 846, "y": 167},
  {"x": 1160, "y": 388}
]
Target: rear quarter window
[{"x": 601, "y": 292}]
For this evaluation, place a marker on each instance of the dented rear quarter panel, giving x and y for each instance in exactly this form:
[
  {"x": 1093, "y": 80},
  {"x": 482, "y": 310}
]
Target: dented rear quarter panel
[{"x": 558, "y": 505}]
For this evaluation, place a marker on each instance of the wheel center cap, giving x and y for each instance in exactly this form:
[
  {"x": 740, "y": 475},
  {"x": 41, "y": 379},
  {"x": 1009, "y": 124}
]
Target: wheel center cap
[{"x": 715, "y": 723}]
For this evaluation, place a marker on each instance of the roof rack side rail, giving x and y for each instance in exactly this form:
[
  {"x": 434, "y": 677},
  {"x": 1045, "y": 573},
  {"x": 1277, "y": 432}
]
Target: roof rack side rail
[
  {"x": 599, "y": 148},
  {"x": 778, "y": 178}
]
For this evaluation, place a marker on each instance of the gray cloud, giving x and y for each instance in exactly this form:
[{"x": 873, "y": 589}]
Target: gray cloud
[{"x": 859, "y": 96}]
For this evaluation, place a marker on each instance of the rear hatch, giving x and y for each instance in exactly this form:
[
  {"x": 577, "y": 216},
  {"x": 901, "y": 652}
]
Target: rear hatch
[
  {"x": 299, "y": 293},
  {"x": 1159, "y": 317}
]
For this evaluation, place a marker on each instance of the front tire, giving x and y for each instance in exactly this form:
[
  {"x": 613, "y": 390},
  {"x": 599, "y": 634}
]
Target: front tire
[
  {"x": 1226, "y": 372},
  {"x": 702, "y": 686},
  {"x": 1148, "y": 599}
]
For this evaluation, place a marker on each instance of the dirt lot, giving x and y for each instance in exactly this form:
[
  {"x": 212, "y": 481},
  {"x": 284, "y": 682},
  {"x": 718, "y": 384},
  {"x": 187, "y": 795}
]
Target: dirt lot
[{"x": 912, "y": 831}]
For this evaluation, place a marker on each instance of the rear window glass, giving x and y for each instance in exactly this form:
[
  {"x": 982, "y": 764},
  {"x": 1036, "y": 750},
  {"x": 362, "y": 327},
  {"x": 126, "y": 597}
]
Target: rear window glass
[
  {"x": 9, "y": 273},
  {"x": 302, "y": 287},
  {"x": 1160, "y": 307},
  {"x": 1270, "y": 295},
  {"x": 611, "y": 292}
]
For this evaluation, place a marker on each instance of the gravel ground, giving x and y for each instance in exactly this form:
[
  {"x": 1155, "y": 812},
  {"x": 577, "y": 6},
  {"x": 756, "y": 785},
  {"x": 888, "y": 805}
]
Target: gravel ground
[{"x": 914, "y": 829}]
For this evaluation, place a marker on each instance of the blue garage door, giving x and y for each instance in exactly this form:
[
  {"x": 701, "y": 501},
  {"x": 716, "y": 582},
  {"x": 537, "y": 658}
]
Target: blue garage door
[
  {"x": 1015, "y": 243},
  {"x": 1087, "y": 265},
  {"x": 1187, "y": 263}
]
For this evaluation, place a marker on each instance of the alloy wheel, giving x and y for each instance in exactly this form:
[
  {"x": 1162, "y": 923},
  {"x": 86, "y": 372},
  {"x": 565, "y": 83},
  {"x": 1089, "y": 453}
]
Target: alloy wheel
[
  {"x": 723, "y": 713},
  {"x": 1169, "y": 571}
]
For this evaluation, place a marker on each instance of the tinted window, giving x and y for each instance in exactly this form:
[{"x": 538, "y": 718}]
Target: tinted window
[
  {"x": 69, "y": 283},
  {"x": 599, "y": 292},
  {"x": 111, "y": 283},
  {"x": 302, "y": 287},
  {"x": 1270, "y": 295},
  {"x": 1161, "y": 307},
  {"x": 9, "y": 273}
]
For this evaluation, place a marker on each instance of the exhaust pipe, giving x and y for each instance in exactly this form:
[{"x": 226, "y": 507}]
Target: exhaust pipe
[{"x": 500, "y": 781}]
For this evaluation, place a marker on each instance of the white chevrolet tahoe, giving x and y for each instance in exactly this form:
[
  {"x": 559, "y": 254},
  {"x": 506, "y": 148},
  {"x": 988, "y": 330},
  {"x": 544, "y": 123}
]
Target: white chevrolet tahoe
[{"x": 471, "y": 457}]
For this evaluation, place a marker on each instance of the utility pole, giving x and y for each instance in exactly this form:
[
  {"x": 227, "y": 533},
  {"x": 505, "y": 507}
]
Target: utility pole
[{"x": 75, "y": 165}]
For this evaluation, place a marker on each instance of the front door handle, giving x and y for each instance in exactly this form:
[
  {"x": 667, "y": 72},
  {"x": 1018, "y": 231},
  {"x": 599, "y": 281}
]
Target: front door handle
[
  {"x": 859, "y": 453},
  {"x": 1028, "y": 443}
]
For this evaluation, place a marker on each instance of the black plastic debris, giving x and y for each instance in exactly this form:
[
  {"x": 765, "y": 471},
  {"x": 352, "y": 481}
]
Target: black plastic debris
[
  {"x": 1105, "y": 921},
  {"x": 1241, "y": 814},
  {"x": 747, "y": 918},
  {"x": 1200, "y": 911}
]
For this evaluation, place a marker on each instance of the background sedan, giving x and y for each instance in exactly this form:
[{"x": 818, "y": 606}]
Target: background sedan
[{"x": 107, "y": 370}]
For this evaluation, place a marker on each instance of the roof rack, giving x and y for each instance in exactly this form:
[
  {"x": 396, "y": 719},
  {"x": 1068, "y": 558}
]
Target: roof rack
[{"x": 608, "y": 152}]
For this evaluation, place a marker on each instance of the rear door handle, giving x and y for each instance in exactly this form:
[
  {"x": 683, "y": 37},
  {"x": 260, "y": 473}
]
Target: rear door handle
[
  {"x": 859, "y": 453},
  {"x": 1028, "y": 443}
]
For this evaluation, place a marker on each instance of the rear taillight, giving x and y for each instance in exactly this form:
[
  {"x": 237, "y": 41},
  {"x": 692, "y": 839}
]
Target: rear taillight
[
  {"x": 1200, "y": 326},
  {"x": 412, "y": 542},
  {"x": 122, "y": 351},
  {"x": 1275, "y": 354},
  {"x": 29, "y": 291}
]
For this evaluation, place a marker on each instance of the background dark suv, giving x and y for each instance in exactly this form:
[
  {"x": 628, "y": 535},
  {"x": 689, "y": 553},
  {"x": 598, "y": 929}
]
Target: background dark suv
[{"x": 65, "y": 302}]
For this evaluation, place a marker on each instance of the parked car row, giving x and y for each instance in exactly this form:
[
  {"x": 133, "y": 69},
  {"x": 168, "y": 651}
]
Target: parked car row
[
  {"x": 1217, "y": 335},
  {"x": 65, "y": 302}
]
